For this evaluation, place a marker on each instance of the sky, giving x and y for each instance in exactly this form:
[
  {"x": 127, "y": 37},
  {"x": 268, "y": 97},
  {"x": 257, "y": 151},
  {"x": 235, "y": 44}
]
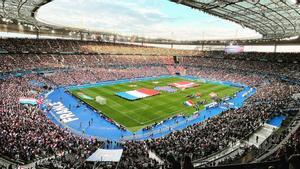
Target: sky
[{"x": 147, "y": 18}]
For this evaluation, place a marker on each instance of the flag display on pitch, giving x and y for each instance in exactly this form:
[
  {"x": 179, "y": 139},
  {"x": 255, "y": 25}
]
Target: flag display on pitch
[
  {"x": 188, "y": 103},
  {"x": 137, "y": 94},
  {"x": 184, "y": 84}
]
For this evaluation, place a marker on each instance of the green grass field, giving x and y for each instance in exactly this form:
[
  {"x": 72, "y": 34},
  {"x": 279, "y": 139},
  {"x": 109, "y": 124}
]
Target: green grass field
[{"x": 135, "y": 115}]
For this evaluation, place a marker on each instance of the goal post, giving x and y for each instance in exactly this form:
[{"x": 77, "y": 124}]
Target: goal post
[{"x": 100, "y": 100}]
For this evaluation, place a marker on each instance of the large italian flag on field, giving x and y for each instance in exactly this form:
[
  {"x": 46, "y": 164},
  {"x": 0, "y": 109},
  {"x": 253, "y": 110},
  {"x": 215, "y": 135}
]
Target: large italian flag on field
[{"x": 137, "y": 94}]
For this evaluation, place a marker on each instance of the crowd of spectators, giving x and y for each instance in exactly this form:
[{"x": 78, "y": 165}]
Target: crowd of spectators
[
  {"x": 16, "y": 62},
  {"x": 92, "y": 75},
  {"x": 26, "y": 134},
  {"x": 59, "y": 45},
  {"x": 289, "y": 69},
  {"x": 289, "y": 153}
]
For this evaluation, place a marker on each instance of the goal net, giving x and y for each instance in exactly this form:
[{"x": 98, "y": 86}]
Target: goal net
[{"x": 100, "y": 100}]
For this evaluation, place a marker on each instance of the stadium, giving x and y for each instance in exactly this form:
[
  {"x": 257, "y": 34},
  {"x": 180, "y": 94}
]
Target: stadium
[{"x": 141, "y": 84}]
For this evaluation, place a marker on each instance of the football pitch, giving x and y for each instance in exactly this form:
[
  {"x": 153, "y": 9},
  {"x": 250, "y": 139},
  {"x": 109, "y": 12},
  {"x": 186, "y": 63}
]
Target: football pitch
[{"x": 137, "y": 114}]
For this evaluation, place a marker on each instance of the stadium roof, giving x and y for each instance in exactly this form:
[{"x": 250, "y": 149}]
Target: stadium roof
[
  {"x": 271, "y": 18},
  {"x": 274, "y": 19},
  {"x": 22, "y": 11}
]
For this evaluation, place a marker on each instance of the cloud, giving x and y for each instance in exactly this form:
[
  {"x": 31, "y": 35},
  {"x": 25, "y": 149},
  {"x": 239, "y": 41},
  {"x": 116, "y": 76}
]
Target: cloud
[{"x": 156, "y": 19}]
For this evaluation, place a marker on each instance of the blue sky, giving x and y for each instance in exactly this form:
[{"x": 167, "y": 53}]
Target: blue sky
[{"x": 148, "y": 18}]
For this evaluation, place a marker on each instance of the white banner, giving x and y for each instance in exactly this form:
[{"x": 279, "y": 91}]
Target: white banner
[{"x": 113, "y": 155}]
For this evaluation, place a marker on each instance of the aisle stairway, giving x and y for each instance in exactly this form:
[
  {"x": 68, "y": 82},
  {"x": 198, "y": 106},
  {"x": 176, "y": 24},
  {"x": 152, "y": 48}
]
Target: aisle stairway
[{"x": 260, "y": 135}]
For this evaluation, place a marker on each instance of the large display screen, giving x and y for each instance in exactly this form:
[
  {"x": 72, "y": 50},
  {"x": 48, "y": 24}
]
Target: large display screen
[{"x": 234, "y": 49}]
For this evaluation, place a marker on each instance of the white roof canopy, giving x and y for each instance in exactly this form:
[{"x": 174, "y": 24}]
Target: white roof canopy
[{"x": 105, "y": 155}]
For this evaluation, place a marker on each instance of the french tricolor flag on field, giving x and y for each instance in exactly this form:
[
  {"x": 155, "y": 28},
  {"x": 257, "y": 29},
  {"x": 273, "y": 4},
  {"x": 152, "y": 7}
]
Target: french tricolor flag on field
[
  {"x": 137, "y": 94},
  {"x": 189, "y": 103}
]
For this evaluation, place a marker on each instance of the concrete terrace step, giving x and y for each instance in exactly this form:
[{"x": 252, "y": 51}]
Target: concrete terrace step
[{"x": 262, "y": 134}]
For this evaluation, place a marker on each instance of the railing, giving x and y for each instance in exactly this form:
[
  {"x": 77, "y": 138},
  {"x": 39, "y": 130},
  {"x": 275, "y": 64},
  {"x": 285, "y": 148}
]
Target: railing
[
  {"x": 35, "y": 163},
  {"x": 218, "y": 152},
  {"x": 204, "y": 162},
  {"x": 272, "y": 151},
  {"x": 163, "y": 129},
  {"x": 263, "y": 165}
]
